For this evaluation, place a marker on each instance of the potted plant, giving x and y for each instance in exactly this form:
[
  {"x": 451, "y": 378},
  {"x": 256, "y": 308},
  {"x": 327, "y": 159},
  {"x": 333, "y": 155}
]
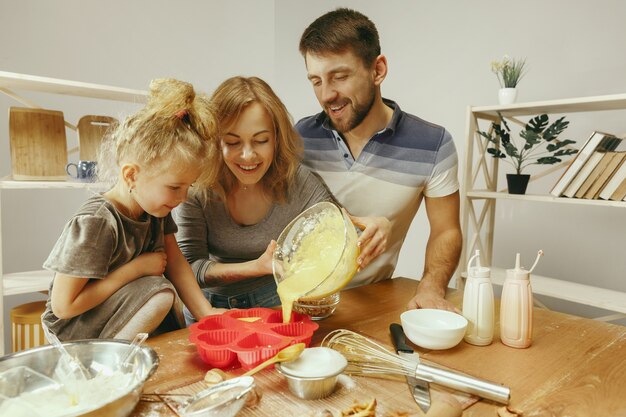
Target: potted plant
[
  {"x": 509, "y": 72},
  {"x": 540, "y": 146}
]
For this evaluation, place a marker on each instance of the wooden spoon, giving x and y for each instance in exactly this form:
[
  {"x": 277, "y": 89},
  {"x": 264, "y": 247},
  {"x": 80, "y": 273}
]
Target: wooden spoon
[{"x": 287, "y": 354}]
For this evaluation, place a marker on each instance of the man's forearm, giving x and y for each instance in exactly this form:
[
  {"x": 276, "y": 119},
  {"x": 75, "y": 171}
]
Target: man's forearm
[{"x": 442, "y": 257}]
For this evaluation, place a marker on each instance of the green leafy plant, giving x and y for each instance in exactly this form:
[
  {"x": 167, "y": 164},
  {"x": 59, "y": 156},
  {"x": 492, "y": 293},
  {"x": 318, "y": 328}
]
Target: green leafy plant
[
  {"x": 536, "y": 132},
  {"x": 509, "y": 71}
]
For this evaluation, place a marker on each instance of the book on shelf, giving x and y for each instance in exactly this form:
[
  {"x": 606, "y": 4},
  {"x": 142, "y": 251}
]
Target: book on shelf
[
  {"x": 614, "y": 182},
  {"x": 617, "y": 158},
  {"x": 582, "y": 174},
  {"x": 587, "y": 189},
  {"x": 620, "y": 192},
  {"x": 588, "y": 173},
  {"x": 597, "y": 140}
]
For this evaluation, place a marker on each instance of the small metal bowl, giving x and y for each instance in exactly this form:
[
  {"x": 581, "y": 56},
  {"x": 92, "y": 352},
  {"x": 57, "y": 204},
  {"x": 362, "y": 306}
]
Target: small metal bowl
[
  {"x": 310, "y": 384},
  {"x": 225, "y": 399},
  {"x": 100, "y": 356},
  {"x": 309, "y": 388}
]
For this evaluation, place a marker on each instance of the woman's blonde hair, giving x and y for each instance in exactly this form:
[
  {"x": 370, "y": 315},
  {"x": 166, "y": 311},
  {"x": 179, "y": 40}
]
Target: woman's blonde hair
[
  {"x": 229, "y": 100},
  {"x": 174, "y": 130}
]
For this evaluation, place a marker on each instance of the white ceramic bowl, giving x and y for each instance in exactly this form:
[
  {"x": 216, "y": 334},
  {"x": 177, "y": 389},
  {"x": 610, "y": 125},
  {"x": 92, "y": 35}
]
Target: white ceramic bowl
[{"x": 433, "y": 329}]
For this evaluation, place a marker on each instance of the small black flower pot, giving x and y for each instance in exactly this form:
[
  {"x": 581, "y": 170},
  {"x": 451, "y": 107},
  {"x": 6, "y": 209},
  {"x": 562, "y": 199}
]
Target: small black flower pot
[{"x": 517, "y": 183}]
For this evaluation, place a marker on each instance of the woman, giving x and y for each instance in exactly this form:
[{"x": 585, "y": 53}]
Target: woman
[{"x": 261, "y": 186}]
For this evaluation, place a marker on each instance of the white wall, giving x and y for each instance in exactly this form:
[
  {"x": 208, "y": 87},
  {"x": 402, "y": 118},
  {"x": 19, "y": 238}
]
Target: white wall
[{"x": 438, "y": 53}]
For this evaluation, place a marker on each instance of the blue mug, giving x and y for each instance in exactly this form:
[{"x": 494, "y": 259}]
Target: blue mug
[{"x": 85, "y": 170}]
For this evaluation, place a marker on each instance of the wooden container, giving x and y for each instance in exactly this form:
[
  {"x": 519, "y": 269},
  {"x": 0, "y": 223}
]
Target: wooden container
[
  {"x": 26, "y": 330},
  {"x": 91, "y": 130},
  {"x": 38, "y": 144}
]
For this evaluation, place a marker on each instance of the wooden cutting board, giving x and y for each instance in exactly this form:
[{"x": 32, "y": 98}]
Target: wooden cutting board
[
  {"x": 38, "y": 144},
  {"x": 91, "y": 129}
]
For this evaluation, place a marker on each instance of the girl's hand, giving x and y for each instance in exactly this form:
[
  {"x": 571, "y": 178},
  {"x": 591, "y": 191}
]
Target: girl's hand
[
  {"x": 151, "y": 263},
  {"x": 264, "y": 261},
  {"x": 373, "y": 240}
]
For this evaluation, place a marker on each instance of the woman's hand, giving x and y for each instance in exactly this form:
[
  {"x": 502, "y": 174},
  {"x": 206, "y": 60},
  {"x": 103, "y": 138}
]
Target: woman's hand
[
  {"x": 220, "y": 273},
  {"x": 264, "y": 262},
  {"x": 373, "y": 240},
  {"x": 215, "y": 311}
]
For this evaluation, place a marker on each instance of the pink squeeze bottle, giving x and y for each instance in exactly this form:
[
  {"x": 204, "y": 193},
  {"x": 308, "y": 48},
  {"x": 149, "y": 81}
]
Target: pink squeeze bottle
[{"x": 516, "y": 306}]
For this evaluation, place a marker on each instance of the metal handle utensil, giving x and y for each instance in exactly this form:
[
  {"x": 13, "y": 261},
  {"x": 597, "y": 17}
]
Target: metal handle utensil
[
  {"x": 419, "y": 388},
  {"x": 366, "y": 357},
  {"x": 464, "y": 383}
]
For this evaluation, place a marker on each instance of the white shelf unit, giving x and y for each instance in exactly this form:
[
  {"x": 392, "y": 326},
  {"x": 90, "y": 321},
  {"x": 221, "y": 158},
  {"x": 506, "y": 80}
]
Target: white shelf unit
[
  {"x": 33, "y": 281},
  {"x": 480, "y": 194}
]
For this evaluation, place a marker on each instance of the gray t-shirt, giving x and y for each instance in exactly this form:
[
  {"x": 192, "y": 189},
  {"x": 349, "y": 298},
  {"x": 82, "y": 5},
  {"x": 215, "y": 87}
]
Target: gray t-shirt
[
  {"x": 207, "y": 233},
  {"x": 96, "y": 241}
]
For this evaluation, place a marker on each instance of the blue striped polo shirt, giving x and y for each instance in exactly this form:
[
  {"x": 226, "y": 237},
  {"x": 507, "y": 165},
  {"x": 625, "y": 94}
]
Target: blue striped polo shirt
[{"x": 407, "y": 160}]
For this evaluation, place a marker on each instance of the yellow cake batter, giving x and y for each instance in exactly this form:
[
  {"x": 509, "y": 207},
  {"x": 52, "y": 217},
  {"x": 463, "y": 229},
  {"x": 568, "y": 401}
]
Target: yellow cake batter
[{"x": 315, "y": 258}]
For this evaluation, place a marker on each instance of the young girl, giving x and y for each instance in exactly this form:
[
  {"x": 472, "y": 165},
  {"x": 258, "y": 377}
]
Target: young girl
[
  {"x": 111, "y": 257},
  {"x": 224, "y": 233}
]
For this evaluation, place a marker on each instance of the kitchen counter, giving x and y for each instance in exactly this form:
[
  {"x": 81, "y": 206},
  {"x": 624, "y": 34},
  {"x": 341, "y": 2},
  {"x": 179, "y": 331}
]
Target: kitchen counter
[{"x": 575, "y": 366}]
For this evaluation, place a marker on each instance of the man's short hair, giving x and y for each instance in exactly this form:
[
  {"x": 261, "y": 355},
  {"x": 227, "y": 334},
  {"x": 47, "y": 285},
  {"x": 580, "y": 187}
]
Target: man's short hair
[{"x": 339, "y": 31}]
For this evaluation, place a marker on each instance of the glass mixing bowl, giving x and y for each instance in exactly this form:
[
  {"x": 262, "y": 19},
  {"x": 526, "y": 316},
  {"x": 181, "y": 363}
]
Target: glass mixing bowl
[
  {"x": 318, "y": 309},
  {"x": 303, "y": 248}
]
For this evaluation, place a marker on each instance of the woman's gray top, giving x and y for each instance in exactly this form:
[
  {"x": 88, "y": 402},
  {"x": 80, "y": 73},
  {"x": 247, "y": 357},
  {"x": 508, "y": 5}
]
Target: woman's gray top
[{"x": 208, "y": 234}]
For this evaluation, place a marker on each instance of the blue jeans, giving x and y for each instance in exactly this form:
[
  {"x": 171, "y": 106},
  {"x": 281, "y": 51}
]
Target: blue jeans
[{"x": 264, "y": 296}]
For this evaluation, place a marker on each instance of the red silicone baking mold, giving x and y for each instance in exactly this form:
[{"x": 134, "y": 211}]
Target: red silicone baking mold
[{"x": 229, "y": 340}]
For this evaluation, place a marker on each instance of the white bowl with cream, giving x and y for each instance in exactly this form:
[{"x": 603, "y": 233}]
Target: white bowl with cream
[{"x": 314, "y": 374}]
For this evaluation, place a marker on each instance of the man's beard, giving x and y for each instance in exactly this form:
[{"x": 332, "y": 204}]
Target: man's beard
[{"x": 359, "y": 113}]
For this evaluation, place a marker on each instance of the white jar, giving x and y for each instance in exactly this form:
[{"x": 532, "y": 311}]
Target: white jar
[
  {"x": 478, "y": 304},
  {"x": 516, "y": 308}
]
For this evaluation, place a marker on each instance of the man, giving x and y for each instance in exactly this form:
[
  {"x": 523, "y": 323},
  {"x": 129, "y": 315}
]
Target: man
[{"x": 376, "y": 159}]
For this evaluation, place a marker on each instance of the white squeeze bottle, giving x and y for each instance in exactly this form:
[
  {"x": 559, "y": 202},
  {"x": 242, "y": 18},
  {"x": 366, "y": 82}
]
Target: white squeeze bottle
[
  {"x": 516, "y": 307},
  {"x": 478, "y": 306}
]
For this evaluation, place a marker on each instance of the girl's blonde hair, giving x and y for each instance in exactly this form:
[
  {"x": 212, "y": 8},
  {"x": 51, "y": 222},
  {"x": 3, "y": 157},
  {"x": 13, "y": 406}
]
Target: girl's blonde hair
[
  {"x": 229, "y": 100},
  {"x": 174, "y": 130}
]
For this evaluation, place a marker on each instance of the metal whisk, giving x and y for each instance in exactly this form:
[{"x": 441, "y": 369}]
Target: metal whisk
[{"x": 367, "y": 357}]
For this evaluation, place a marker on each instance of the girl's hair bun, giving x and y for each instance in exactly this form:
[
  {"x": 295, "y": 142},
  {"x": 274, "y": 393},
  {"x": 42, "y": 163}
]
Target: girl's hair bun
[
  {"x": 169, "y": 96},
  {"x": 175, "y": 127}
]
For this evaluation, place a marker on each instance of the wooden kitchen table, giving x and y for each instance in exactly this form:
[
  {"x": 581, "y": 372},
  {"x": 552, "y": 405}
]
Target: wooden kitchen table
[{"x": 575, "y": 366}]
